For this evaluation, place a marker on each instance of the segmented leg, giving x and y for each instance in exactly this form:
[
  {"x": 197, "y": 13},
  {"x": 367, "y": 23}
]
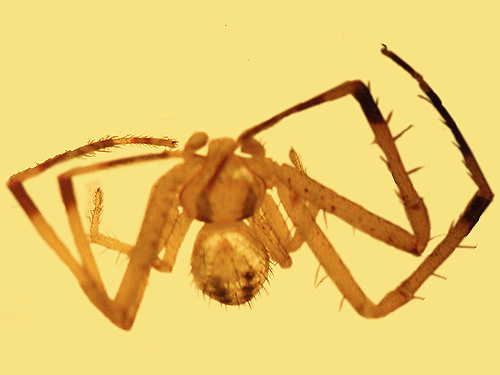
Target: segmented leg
[
  {"x": 15, "y": 184},
  {"x": 161, "y": 212},
  {"x": 291, "y": 188},
  {"x": 271, "y": 228},
  {"x": 122, "y": 310},
  {"x": 351, "y": 212},
  {"x": 171, "y": 238}
]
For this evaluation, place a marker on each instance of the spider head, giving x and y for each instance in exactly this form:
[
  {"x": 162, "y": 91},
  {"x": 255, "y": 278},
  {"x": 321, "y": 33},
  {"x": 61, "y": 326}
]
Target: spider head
[
  {"x": 225, "y": 190},
  {"x": 229, "y": 263}
]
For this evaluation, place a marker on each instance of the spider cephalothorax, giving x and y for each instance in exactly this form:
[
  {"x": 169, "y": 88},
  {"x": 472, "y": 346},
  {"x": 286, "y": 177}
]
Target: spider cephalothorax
[
  {"x": 244, "y": 228},
  {"x": 229, "y": 262},
  {"x": 225, "y": 190}
]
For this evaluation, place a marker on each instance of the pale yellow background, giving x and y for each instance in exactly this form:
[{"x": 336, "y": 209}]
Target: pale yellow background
[{"x": 72, "y": 73}]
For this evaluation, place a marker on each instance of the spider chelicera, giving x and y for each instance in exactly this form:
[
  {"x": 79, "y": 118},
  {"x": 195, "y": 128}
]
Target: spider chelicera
[{"x": 244, "y": 228}]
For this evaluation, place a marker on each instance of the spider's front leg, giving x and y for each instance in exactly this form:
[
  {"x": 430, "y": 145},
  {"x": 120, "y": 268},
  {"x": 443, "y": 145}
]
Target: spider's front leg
[{"x": 44, "y": 229}]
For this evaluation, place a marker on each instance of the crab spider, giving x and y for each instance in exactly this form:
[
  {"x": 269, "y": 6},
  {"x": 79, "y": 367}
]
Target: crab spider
[{"x": 244, "y": 229}]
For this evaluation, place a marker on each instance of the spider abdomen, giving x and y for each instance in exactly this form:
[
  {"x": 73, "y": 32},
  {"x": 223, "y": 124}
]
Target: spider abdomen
[{"x": 229, "y": 263}]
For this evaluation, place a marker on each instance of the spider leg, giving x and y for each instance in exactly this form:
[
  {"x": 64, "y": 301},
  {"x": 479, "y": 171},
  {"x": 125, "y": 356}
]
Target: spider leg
[
  {"x": 172, "y": 236},
  {"x": 326, "y": 199},
  {"x": 331, "y": 262},
  {"x": 15, "y": 184},
  {"x": 324, "y": 252},
  {"x": 470, "y": 161},
  {"x": 473, "y": 211},
  {"x": 161, "y": 212},
  {"x": 95, "y": 222},
  {"x": 270, "y": 226},
  {"x": 120, "y": 311},
  {"x": 413, "y": 204},
  {"x": 297, "y": 239},
  {"x": 101, "y": 145}
]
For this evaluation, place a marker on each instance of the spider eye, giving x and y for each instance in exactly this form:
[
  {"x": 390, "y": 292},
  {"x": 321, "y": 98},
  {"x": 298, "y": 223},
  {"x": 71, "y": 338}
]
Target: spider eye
[{"x": 229, "y": 264}]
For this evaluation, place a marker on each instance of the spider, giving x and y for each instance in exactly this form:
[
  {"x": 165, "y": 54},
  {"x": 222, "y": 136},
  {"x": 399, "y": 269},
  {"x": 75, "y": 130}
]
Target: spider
[{"x": 244, "y": 229}]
